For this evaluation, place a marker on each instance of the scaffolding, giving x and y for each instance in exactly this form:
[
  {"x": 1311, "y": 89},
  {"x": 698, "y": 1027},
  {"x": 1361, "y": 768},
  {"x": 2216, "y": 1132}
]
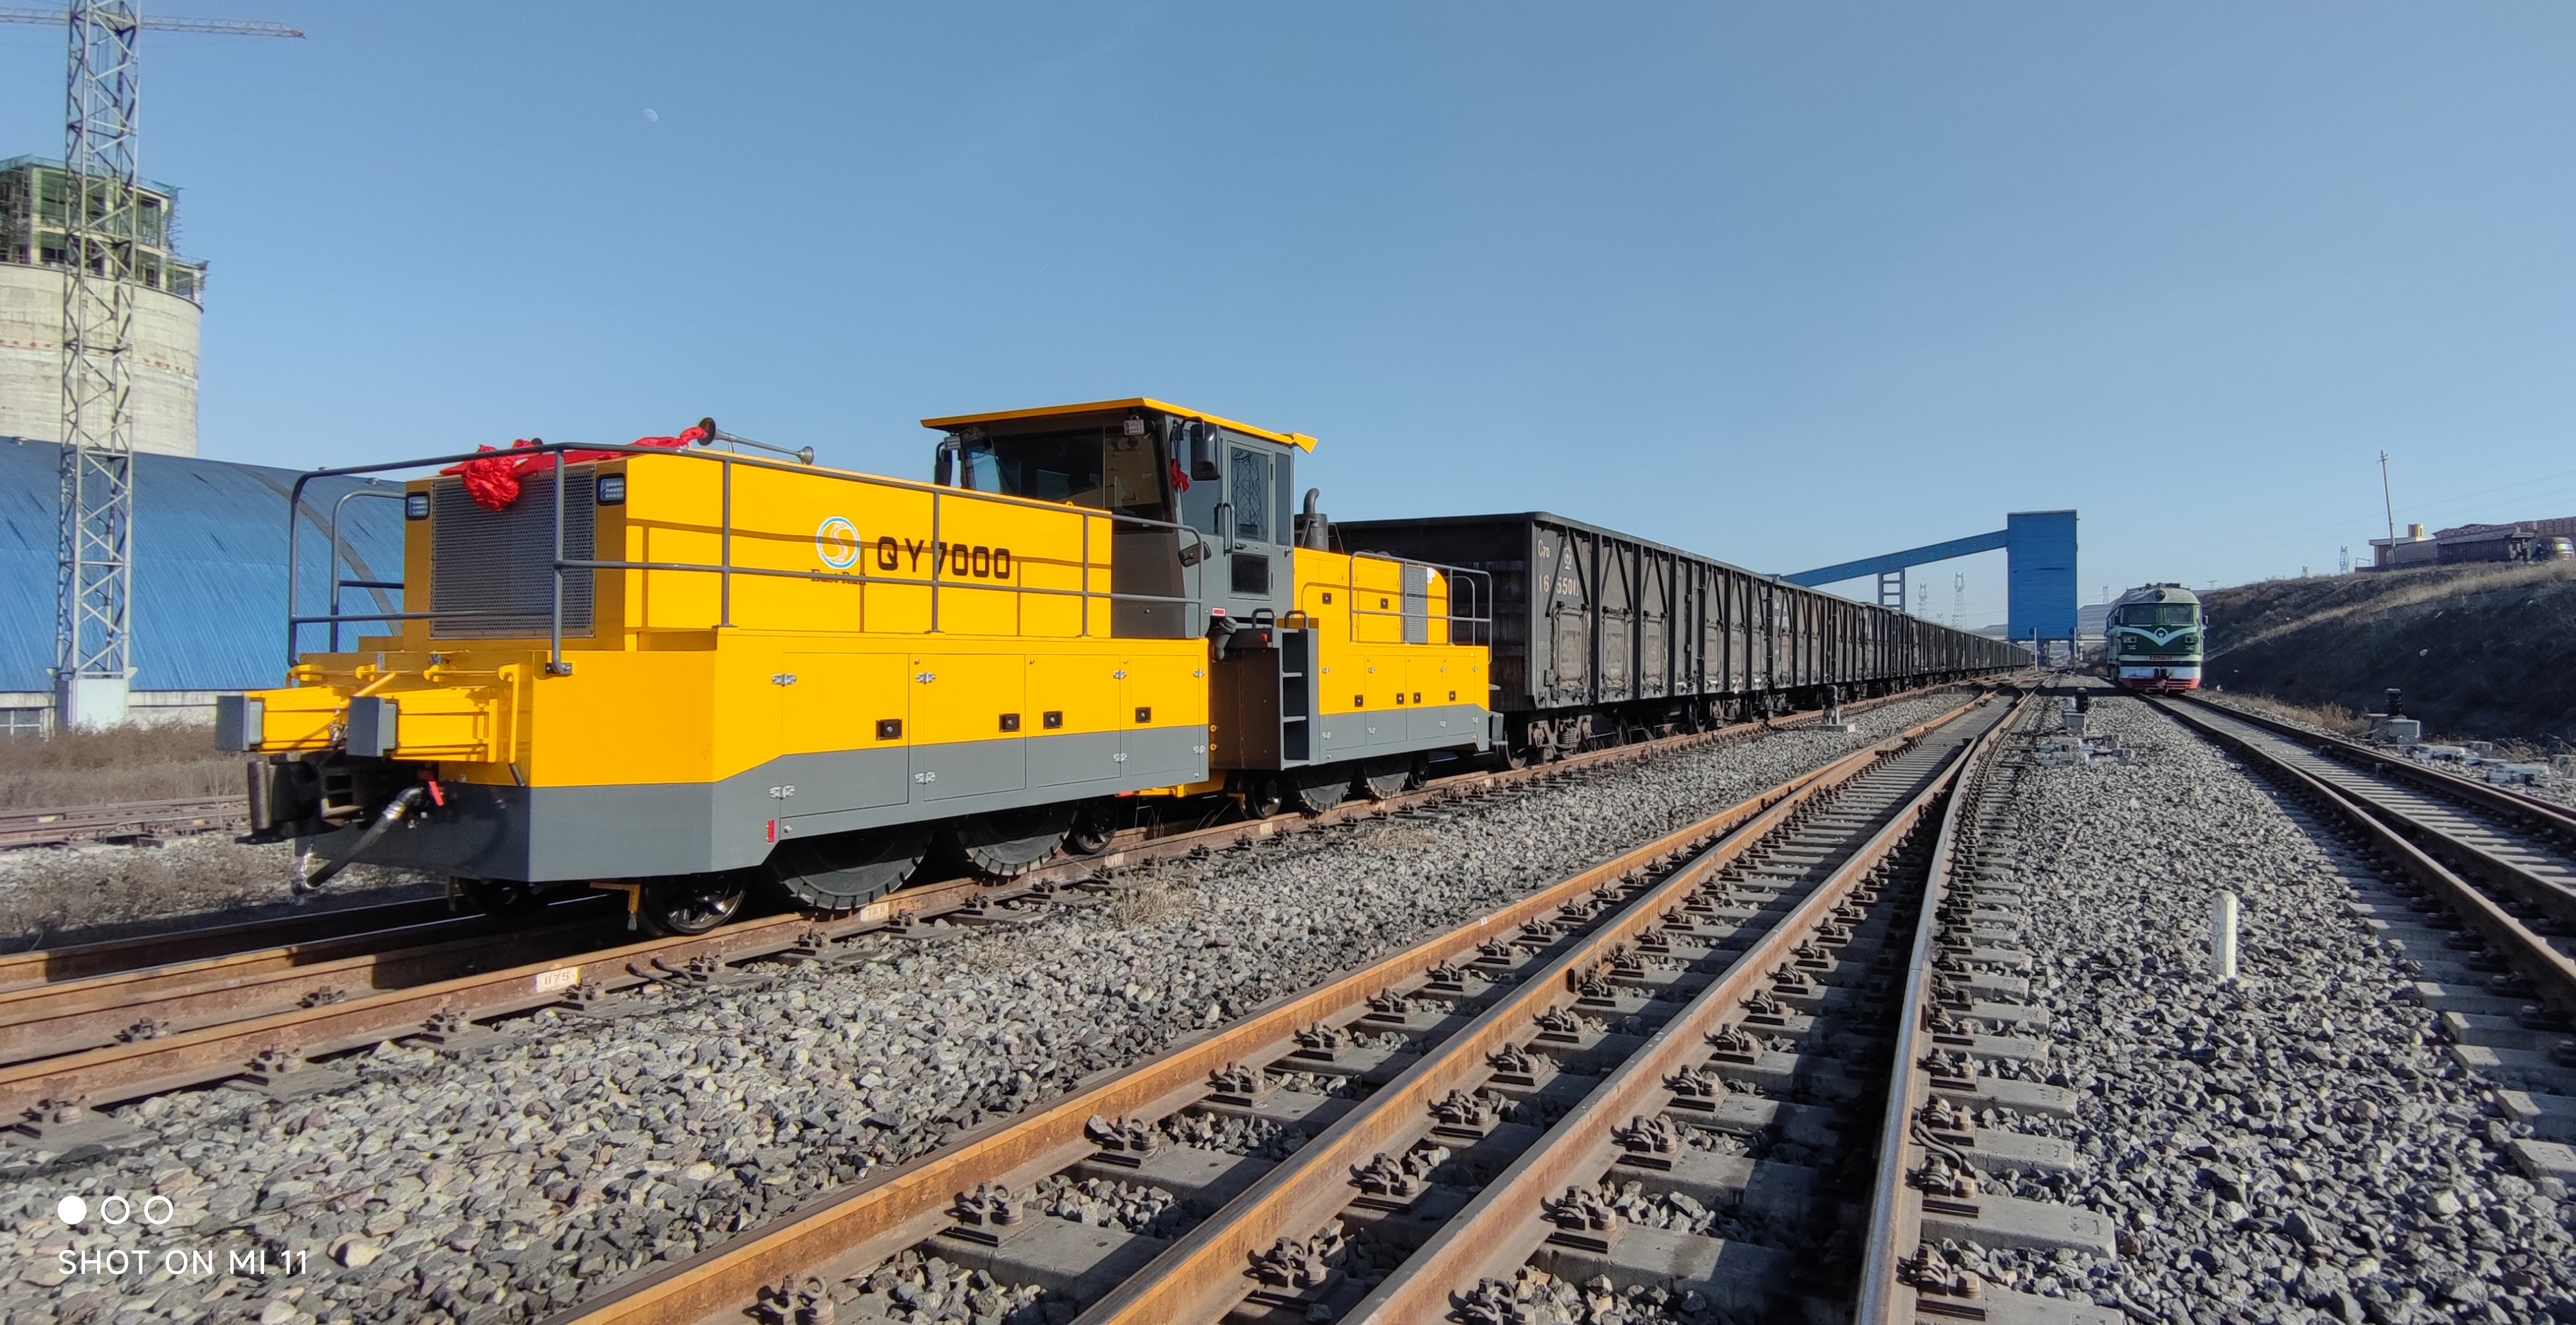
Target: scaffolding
[{"x": 35, "y": 224}]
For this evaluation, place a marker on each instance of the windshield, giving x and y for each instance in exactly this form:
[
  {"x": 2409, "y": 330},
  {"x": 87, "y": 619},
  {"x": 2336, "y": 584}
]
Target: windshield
[
  {"x": 2158, "y": 614},
  {"x": 1101, "y": 468}
]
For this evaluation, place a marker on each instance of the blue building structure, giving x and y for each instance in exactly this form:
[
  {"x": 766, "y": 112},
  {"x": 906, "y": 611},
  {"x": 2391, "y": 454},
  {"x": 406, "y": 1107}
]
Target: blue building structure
[
  {"x": 2039, "y": 552},
  {"x": 209, "y": 606}
]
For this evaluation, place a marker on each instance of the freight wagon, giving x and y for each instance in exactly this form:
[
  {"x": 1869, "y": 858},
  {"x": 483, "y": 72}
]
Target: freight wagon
[{"x": 1601, "y": 638}]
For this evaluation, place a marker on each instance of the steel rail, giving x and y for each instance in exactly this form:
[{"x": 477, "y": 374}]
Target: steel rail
[
  {"x": 297, "y": 939},
  {"x": 2554, "y": 818},
  {"x": 42, "y": 1021},
  {"x": 87, "y": 823},
  {"x": 1132, "y": 846},
  {"x": 1503, "y": 1225},
  {"x": 105, "y": 1074},
  {"x": 2552, "y": 971},
  {"x": 1896, "y": 1211},
  {"x": 83, "y": 961},
  {"x": 887, "y": 1212}
]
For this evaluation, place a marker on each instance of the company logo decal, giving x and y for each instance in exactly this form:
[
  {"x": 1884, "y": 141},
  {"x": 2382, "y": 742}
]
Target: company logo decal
[
  {"x": 836, "y": 540},
  {"x": 838, "y": 543}
]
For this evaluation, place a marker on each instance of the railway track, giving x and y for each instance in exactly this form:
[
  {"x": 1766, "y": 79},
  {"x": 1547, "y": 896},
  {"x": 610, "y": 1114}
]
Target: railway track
[
  {"x": 2501, "y": 862},
  {"x": 127, "y": 821},
  {"x": 1661, "y": 1079},
  {"x": 101, "y": 1023}
]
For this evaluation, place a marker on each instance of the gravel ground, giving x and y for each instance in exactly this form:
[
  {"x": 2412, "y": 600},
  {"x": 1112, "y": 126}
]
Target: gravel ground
[
  {"x": 55, "y": 896},
  {"x": 2293, "y": 1148},
  {"x": 495, "y": 1188}
]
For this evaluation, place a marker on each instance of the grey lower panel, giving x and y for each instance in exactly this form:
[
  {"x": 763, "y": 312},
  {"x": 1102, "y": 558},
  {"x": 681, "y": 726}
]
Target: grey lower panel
[
  {"x": 555, "y": 834},
  {"x": 1377, "y": 732}
]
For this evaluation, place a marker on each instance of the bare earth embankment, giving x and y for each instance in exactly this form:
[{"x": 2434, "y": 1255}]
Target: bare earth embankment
[{"x": 2482, "y": 652}]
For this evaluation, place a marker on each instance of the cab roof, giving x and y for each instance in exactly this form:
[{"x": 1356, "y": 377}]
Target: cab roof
[{"x": 957, "y": 421}]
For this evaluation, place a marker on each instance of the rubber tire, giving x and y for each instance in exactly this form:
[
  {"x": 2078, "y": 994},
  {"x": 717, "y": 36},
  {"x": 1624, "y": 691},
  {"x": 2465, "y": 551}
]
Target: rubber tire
[
  {"x": 1006, "y": 843},
  {"x": 1315, "y": 790},
  {"x": 500, "y": 897},
  {"x": 694, "y": 903},
  {"x": 1095, "y": 826},
  {"x": 1263, "y": 798},
  {"x": 1382, "y": 778},
  {"x": 845, "y": 871}
]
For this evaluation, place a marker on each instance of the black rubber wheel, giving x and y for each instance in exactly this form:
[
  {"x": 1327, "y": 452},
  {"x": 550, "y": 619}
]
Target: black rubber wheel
[
  {"x": 1417, "y": 775},
  {"x": 1007, "y": 843},
  {"x": 845, "y": 871},
  {"x": 1381, "y": 778},
  {"x": 1315, "y": 790},
  {"x": 1094, "y": 826},
  {"x": 694, "y": 903},
  {"x": 1263, "y": 797},
  {"x": 501, "y": 897}
]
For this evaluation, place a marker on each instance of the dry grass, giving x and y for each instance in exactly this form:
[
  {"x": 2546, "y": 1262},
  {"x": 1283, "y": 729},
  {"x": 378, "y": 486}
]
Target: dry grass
[
  {"x": 2333, "y": 719},
  {"x": 2361, "y": 595},
  {"x": 1153, "y": 900},
  {"x": 126, "y": 764},
  {"x": 50, "y": 897}
]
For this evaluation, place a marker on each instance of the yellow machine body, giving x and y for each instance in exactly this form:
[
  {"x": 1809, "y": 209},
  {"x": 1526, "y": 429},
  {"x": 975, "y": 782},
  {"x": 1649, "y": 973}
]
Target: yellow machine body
[{"x": 758, "y": 653}]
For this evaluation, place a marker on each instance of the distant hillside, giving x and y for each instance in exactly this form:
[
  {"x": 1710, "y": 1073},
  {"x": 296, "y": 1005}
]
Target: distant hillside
[{"x": 2482, "y": 652}]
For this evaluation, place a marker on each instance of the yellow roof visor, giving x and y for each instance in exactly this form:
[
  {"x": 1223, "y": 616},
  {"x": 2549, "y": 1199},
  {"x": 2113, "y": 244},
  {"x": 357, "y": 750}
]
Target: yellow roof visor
[{"x": 955, "y": 422}]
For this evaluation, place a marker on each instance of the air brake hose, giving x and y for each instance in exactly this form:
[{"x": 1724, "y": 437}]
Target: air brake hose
[{"x": 386, "y": 818}]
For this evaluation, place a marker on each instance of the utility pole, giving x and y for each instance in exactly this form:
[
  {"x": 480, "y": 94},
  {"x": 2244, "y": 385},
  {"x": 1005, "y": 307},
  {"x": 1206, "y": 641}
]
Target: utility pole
[
  {"x": 93, "y": 629},
  {"x": 1958, "y": 600},
  {"x": 2389, "y": 501}
]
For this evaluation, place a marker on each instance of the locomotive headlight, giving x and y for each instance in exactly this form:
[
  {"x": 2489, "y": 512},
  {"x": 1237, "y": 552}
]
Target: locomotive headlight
[
  {"x": 612, "y": 489},
  {"x": 415, "y": 505}
]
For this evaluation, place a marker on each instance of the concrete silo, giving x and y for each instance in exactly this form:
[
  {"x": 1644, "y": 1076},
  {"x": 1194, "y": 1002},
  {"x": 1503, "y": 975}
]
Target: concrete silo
[{"x": 162, "y": 358}]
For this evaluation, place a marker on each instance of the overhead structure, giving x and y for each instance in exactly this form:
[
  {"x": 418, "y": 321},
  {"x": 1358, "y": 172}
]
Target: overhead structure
[
  {"x": 102, "y": 243},
  {"x": 2039, "y": 550}
]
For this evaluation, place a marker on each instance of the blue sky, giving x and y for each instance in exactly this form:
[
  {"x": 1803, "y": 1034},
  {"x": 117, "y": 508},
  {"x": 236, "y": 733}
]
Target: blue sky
[{"x": 1788, "y": 284}]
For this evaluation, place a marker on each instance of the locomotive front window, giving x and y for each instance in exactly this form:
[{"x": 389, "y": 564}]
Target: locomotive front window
[
  {"x": 2160, "y": 615},
  {"x": 1103, "y": 469}
]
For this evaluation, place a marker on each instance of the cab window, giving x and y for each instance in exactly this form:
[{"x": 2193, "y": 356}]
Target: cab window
[
  {"x": 1104, "y": 469},
  {"x": 1250, "y": 493}
]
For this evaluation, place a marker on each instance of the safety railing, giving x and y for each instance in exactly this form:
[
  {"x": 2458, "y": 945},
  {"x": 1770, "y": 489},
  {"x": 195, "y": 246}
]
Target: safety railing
[
  {"x": 1478, "y": 616},
  {"x": 723, "y": 568}
]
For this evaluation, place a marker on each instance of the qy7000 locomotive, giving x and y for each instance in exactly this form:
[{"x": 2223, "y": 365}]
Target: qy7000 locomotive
[{"x": 695, "y": 674}]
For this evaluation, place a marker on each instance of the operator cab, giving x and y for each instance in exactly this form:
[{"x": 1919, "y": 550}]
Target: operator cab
[{"x": 1205, "y": 531}]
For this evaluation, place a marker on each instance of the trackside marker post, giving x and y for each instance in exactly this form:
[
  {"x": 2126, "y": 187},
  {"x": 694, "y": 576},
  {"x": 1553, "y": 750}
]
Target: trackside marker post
[{"x": 2222, "y": 937}]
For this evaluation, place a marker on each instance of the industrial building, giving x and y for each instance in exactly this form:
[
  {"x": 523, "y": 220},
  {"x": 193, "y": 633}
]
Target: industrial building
[
  {"x": 2039, "y": 549},
  {"x": 2525, "y": 540},
  {"x": 209, "y": 608},
  {"x": 168, "y": 292}
]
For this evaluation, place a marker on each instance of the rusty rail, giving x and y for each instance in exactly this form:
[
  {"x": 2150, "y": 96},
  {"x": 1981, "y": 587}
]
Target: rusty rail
[
  {"x": 1896, "y": 1210},
  {"x": 2388, "y": 831},
  {"x": 91, "y": 823},
  {"x": 890, "y": 1211},
  {"x": 1504, "y": 1224}
]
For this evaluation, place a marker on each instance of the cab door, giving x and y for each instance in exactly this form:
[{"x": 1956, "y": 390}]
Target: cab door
[{"x": 1245, "y": 513}]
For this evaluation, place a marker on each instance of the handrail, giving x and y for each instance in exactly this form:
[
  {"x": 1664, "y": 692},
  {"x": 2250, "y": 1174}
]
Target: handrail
[
  {"x": 723, "y": 569},
  {"x": 1480, "y": 581},
  {"x": 336, "y": 550}
]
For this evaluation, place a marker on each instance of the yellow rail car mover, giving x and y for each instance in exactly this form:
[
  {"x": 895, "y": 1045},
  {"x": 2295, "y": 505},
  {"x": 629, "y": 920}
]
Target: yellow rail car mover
[{"x": 695, "y": 674}]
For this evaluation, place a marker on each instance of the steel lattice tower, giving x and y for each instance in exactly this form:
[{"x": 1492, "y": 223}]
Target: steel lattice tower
[
  {"x": 91, "y": 627},
  {"x": 93, "y": 633}
]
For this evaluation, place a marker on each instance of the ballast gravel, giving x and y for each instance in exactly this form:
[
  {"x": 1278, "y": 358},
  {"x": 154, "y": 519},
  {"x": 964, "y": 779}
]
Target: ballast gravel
[
  {"x": 504, "y": 1185},
  {"x": 2294, "y": 1147}
]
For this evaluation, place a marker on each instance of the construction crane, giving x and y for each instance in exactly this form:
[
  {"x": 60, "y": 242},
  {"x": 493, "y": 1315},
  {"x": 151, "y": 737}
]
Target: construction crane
[{"x": 93, "y": 633}]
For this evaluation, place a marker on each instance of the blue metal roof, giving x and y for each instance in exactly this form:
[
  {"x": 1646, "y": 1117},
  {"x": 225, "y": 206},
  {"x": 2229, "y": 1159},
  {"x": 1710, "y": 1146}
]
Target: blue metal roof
[{"x": 209, "y": 610}]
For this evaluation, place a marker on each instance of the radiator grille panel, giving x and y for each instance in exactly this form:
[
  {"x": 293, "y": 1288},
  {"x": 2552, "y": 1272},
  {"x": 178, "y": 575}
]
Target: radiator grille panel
[{"x": 495, "y": 563}]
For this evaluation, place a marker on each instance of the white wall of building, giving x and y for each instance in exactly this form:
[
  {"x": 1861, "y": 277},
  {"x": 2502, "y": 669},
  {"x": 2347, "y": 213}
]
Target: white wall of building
[{"x": 163, "y": 362}]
